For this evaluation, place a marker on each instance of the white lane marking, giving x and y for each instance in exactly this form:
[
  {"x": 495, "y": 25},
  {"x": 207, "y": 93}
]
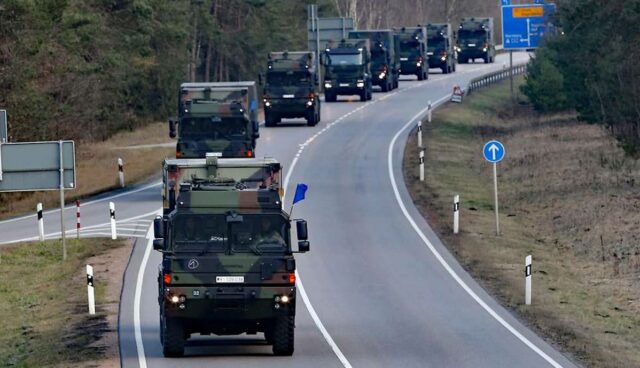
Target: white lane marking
[
  {"x": 70, "y": 207},
  {"x": 439, "y": 257}
]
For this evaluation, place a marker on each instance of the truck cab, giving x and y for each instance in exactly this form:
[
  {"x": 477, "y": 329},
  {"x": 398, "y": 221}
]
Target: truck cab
[
  {"x": 347, "y": 70},
  {"x": 228, "y": 265},
  {"x": 413, "y": 51},
  {"x": 218, "y": 118},
  {"x": 440, "y": 47},
  {"x": 290, "y": 88},
  {"x": 385, "y": 62},
  {"x": 475, "y": 40}
]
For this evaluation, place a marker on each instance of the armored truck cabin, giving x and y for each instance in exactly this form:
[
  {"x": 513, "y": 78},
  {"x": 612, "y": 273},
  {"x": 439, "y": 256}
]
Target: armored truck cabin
[
  {"x": 227, "y": 265},
  {"x": 385, "y": 62},
  {"x": 475, "y": 40},
  {"x": 347, "y": 70},
  {"x": 290, "y": 88},
  {"x": 440, "y": 47},
  {"x": 220, "y": 118},
  {"x": 413, "y": 51}
]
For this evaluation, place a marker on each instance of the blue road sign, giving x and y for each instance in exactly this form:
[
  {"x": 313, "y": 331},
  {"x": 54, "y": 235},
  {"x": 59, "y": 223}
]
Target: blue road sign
[
  {"x": 493, "y": 151},
  {"x": 506, "y": 2},
  {"x": 524, "y": 25}
]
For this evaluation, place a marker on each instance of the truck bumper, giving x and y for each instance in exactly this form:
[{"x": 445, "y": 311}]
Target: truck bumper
[
  {"x": 472, "y": 54},
  {"x": 436, "y": 62},
  {"x": 409, "y": 68},
  {"x": 345, "y": 91},
  {"x": 297, "y": 108}
]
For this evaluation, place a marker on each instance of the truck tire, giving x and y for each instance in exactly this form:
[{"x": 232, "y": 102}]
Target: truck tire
[
  {"x": 312, "y": 118},
  {"x": 454, "y": 66},
  {"x": 363, "y": 95},
  {"x": 396, "y": 81},
  {"x": 369, "y": 94},
  {"x": 445, "y": 69},
  {"x": 269, "y": 120},
  {"x": 486, "y": 59},
  {"x": 420, "y": 74},
  {"x": 386, "y": 86},
  {"x": 330, "y": 97},
  {"x": 283, "y": 336},
  {"x": 173, "y": 338}
]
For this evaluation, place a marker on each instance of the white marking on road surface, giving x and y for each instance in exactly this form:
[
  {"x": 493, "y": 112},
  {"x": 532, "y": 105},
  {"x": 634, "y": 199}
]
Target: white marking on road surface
[
  {"x": 439, "y": 257},
  {"x": 142, "y": 361}
]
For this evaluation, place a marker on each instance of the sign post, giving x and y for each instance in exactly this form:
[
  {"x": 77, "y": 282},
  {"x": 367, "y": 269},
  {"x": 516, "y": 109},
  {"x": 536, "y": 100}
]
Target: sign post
[{"x": 493, "y": 152}]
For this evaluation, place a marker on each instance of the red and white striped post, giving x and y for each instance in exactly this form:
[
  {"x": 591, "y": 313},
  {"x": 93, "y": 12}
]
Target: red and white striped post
[{"x": 78, "y": 219}]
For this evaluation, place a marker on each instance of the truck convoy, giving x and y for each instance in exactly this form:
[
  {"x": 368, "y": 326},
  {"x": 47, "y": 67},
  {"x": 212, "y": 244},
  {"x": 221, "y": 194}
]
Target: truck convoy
[
  {"x": 290, "y": 88},
  {"x": 413, "y": 51},
  {"x": 216, "y": 117},
  {"x": 347, "y": 70},
  {"x": 385, "y": 58},
  {"x": 475, "y": 40},
  {"x": 440, "y": 47}
]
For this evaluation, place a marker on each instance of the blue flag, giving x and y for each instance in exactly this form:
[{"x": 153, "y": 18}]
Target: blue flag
[{"x": 301, "y": 190}]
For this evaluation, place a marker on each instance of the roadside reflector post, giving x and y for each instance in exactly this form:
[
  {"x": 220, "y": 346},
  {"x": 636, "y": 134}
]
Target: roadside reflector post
[
  {"x": 78, "y": 218},
  {"x": 91, "y": 290},
  {"x": 40, "y": 222},
  {"x": 429, "y": 112},
  {"x": 112, "y": 215},
  {"x": 527, "y": 278},
  {"x": 421, "y": 165},
  {"x": 419, "y": 133},
  {"x": 456, "y": 213},
  {"x": 121, "y": 172}
]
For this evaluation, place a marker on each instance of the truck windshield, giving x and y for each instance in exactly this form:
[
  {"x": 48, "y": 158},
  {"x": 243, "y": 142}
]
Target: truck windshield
[
  {"x": 436, "y": 43},
  {"x": 214, "y": 128},
  {"x": 288, "y": 79},
  {"x": 466, "y": 36},
  {"x": 345, "y": 59},
  {"x": 199, "y": 233},
  {"x": 409, "y": 47},
  {"x": 260, "y": 234}
]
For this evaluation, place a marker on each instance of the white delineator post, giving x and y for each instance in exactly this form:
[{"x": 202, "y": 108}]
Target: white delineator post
[
  {"x": 78, "y": 219},
  {"x": 40, "y": 222},
  {"x": 429, "y": 112},
  {"x": 121, "y": 172},
  {"x": 527, "y": 278},
  {"x": 112, "y": 214},
  {"x": 419, "y": 133},
  {"x": 90, "y": 290},
  {"x": 456, "y": 213},
  {"x": 422, "y": 165}
]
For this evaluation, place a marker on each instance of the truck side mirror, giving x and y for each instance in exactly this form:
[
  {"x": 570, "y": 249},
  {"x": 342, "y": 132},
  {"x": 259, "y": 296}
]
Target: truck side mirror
[
  {"x": 158, "y": 244},
  {"x": 303, "y": 246},
  {"x": 172, "y": 128},
  {"x": 301, "y": 229},
  {"x": 158, "y": 228}
]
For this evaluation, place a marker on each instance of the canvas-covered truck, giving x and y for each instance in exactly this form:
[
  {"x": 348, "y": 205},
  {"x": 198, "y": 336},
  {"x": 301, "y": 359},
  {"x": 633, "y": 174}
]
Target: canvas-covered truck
[
  {"x": 347, "y": 69},
  {"x": 440, "y": 47},
  {"x": 476, "y": 40},
  {"x": 249, "y": 173},
  {"x": 290, "y": 88},
  {"x": 413, "y": 51},
  {"x": 227, "y": 266},
  {"x": 220, "y": 118},
  {"x": 385, "y": 58}
]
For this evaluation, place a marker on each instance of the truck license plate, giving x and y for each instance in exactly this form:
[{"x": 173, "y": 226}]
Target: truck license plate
[
  {"x": 429, "y": 53},
  {"x": 229, "y": 279},
  {"x": 404, "y": 59},
  {"x": 288, "y": 96},
  {"x": 344, "y": 84},
  {"x": 472, "y": 45}
]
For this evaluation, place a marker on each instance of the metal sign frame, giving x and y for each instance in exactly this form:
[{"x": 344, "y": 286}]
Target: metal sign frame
[{"x": 4, "y": 131}]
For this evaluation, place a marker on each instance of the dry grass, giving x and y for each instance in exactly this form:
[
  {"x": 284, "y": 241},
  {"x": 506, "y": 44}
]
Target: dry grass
[
  {"x": 563, "y": 186},
  {"x": 43, "y": 306},
  {"x": 97, "y": 169}
]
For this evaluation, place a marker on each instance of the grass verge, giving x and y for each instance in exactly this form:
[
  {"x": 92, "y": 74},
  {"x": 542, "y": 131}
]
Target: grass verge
[
  {"x": 97, "y": 168},
  {"x": 568, "y": 196},
  {"x": 45, "y": 321}
]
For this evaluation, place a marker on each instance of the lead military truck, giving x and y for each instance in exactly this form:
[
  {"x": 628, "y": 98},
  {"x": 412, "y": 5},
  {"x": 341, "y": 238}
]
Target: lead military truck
[
  {"x": 413, "y": 51},
  {"x": 440, "y": 47},
  {"x": 385, "y": 58},
  {"x": 348, "y": 70},
  {"x": 476, "y": 40},
  {"x": 219, "y": 117},
  {"x": 290, "y": 88},
  {"x": 227, "y": 257}
]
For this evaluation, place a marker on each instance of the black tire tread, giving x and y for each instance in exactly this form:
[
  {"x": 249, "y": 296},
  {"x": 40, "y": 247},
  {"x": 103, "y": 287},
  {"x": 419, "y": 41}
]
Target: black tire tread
[
  {"x": 283, "y": 336},
  {"x": 174, "y": 339}
]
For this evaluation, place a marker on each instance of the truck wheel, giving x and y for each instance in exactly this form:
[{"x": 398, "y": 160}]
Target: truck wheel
[
  {"x": 385, "y": 87},
  {"x": 420, "y": 74},
  {"x": 173, "y": 338},
  {"x": 445, "y": 69},
  {"x": 369, "y": 94},
  {"x": 454, "y": 66},
  {"x": 330, "y": 97},
  {"x": 269, "y": 120},
  {"x": 486, "y": 59},
  {"x": 396, "y": 82},
  {"x": 312, "y": 118},
  {"x": 283, "y": 335}
]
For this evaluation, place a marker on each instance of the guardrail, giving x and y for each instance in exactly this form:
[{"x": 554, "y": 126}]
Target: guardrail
[{"x": 494, "y": 77}]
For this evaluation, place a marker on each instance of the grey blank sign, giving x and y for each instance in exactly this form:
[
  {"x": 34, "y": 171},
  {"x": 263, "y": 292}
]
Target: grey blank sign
[
  {"x": 4, "y": 134},
  {"x": 36, "y": 166}
]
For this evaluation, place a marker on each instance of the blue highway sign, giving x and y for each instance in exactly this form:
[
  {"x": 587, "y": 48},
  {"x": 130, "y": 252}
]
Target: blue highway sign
[
  {"x": 493, "y": 151},
  {"x": 524, "y": 25}
]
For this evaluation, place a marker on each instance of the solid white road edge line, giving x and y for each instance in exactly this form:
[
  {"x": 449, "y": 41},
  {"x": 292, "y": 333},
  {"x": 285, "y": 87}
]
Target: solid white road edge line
[{"x": 439, "y": 257}]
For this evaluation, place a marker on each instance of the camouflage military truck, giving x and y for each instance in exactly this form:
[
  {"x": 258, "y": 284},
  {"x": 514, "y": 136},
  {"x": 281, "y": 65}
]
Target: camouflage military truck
[
  {"x": 216, "y": 117},
  {"x": 475, "y": 40},
  {"x": 290, "y": 88},
  {"x": 347, "y": 70},
  {"x": 413, "y": 51},
  {"x": 385, "y": 58},
  {"x": 249, "y": 173},
  {"x": 440, "y": 47},
  {"x": 227, "y": 265}
]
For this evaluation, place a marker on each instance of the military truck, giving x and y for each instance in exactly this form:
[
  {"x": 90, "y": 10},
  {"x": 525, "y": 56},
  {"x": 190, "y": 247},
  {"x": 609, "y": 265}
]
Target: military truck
[
  {"x": 413, "y": 51},
  {"x": 475, "y": 40},
  {"x": 440, "y": 47},
  {"x": 251, "y": 173},
  {"x": 347, "y": 69},
  {"x": 217, "y": 117},
  {"x": 227, "y": 265},
  {"x": 385, "y": 58},
  {"x": 290, "y": 88}
]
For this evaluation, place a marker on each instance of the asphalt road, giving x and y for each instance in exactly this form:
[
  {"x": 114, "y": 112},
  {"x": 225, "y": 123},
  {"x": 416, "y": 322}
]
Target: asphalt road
[{"x": 379, "y": 288}]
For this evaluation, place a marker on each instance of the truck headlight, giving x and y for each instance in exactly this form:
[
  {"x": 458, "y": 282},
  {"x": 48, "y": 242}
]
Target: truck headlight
[
  {"x": 267, "y": 103},
  {"x": 327, "y": 85},
  {"x": 382, "y": 75},
  {"x": 443, "y": 58},
  {"x": 310, "y": 103},
  {"x": 360, "y": 84},
  {"x": 419, "y": 63},
  {"x": 174, "y": 299},
  {"x": 484, "y": 50}
]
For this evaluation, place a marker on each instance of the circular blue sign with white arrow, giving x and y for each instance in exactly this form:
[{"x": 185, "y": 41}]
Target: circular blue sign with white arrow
[{"x": 493, "y": 151}]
